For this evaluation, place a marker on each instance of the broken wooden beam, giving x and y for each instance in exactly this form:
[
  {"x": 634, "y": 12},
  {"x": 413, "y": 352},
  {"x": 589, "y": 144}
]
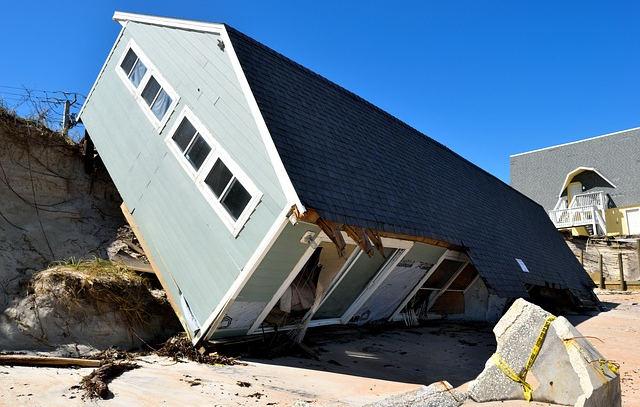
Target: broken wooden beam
[{"x": 30, "y": 360}]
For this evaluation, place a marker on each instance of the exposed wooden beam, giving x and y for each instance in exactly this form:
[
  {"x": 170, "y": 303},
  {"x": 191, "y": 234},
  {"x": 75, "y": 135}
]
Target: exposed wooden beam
[
  {"x": 434, "y": 298},
  {"x": 419, "y": 285}
]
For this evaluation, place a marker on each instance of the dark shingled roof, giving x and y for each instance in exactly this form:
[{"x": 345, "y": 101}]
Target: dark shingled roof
[{"x": 356, "y": 164}]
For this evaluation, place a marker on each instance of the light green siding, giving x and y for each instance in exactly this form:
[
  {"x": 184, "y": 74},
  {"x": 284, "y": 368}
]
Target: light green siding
[
  {"x": 189, "y": 242},
  {"x": 267, "y": 279}
]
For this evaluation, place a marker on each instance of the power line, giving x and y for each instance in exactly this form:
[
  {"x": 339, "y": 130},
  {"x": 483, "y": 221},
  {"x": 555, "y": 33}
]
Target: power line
[{"x": 42, "y": 90}]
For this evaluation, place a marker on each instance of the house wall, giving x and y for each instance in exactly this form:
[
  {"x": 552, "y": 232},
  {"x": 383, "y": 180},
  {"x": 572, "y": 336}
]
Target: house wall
[
  {"x": 266, "y": 280},
  {"x": 616, "y": 220},
  {"x": 191, "y": 246}
]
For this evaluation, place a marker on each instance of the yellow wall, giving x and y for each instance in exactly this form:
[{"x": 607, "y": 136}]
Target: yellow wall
[{"x": 616, "y": 220}]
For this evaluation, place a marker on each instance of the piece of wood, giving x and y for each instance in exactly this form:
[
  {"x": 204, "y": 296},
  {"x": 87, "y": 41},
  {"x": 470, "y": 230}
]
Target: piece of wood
[
  {"x": 332, "y": 230},
  {"x": 377, "y": 241},
  {"x": 312, "y": 216},
  {"x": 360, "y": 237},
  {"x": 623, "y": 283},
  {"x": 134, "y": 247},
  {"x": 29, "y": 360},
  {"x": 419, "y": 239},
  {"x": 601, "y": 268}
]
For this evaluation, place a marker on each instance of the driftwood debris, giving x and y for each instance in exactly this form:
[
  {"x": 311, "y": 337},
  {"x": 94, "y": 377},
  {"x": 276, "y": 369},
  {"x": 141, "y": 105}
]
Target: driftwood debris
[
  {"x": 29, "y": 360},
  {"x": 96, "y": 384}
]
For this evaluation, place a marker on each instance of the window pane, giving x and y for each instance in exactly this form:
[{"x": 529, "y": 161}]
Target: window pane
[
  {"x": 128, "y": 61},
  {"x": 137, "y": 73},
  {"x": 184, "y": 134},
  {"x": 161, "y": 105},
  {"x": 236, "y": 199},
  {"x": 197, "y": 152},
  {"x": 151, "y": 90},
  {"x": 218, "y": 178}
]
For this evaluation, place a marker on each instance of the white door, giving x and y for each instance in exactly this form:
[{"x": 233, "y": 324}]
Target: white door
[
  {"x": 573, "y": 189},
  {"x": 633, "y": 221}
]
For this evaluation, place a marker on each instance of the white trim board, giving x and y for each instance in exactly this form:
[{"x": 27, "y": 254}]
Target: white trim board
[
  {"x": 204, "y": 26},
  {"x": 376, "y": 281},
  {"x": 580, "y": 170},
  {"x": 575, "y": 142}
]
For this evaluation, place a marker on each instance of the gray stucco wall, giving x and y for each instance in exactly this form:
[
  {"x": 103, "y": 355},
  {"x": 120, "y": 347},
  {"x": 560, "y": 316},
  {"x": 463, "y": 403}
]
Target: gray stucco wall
[
  {"x": 191, "y": 246},
  {"x": 540, "y": 174}
]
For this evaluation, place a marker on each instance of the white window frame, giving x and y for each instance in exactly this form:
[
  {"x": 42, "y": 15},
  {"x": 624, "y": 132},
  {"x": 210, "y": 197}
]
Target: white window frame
[
  {"x": 198, "y": 176},
  {"x": 137, "y": 92}
]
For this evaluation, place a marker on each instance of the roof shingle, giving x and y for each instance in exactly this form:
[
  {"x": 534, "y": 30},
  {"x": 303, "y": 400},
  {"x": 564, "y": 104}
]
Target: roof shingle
[{"x": 358, "y": 165}]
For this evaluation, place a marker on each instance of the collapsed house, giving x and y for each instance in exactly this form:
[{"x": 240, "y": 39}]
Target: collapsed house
[{"x": 269, "y": 198}]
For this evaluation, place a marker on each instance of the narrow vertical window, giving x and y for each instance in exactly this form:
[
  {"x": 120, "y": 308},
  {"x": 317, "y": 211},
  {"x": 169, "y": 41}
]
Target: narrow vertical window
[
  {"x": 133, "y": 67},
  {"x": 156, "y": 98},
  {"x": 191, "y": 144},
  {"x": 233, "y": 196}
]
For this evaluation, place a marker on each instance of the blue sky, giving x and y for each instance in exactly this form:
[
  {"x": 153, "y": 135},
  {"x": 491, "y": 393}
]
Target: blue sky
[{"x": 486, "y": 78}]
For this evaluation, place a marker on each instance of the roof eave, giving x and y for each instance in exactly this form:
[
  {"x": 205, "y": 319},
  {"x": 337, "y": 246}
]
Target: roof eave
[{"x": 193, "y": 25}]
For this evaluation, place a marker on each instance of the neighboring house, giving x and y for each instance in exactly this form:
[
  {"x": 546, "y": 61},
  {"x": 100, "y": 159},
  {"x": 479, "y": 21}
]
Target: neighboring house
[
  {"x": 590, "y": 187},
  {"x": 269, "y": 198}
]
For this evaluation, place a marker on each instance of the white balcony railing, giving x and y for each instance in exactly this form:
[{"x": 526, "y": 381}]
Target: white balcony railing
[
  {"x": 596, "y": 199},
  {"x": 584, "y": 210}
]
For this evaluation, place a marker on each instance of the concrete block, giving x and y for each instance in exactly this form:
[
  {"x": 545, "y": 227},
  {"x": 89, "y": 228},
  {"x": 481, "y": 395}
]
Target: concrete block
[
  {"x": 568, "y": 369},
  {"x": 439, "y": 394}
]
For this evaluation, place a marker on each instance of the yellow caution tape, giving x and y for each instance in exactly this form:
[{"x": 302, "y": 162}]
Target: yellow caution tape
[
  {"x": 506, "y": 369},
  {"x": 522, "y": 376},
  {"x": 613, "y": 366}
]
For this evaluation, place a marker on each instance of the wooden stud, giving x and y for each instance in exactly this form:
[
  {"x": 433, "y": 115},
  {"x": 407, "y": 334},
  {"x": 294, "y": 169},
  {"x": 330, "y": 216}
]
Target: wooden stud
[
  {"x": 623, "y": 283},
  {"x": 29, "y": 360},
  {"x": 601, "y": 268}
]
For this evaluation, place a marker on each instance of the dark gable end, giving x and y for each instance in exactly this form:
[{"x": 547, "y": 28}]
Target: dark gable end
[{"x": 356, "y": 164}]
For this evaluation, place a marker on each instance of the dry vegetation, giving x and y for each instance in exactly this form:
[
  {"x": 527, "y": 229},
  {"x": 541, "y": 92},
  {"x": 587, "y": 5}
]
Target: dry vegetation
[
  {"x": 101, "y": 283},
  {"x": 179, "y": 347}
]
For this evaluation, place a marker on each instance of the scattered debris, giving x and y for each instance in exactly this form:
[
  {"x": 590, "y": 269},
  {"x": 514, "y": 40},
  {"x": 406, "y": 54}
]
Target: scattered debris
[
  {"x": 439, "y": 394},
  {"x": 243, "y": 384},
  {"x": 29, "y": 360},
  {"x": 96, "y": 384},
  {"x": 180, "y": 347},
  {"x": 257, "y": 395},
  {"x": 543, "y": 358}
]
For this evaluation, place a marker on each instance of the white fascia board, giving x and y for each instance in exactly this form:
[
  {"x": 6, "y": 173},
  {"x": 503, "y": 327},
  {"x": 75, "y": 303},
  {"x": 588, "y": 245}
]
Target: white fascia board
[
  {"x": 203, "y": 26},
  {"x": 575, "y": 142},
  {"x": 104, "y": 66},
  {"x": 283, "y": 177}
]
